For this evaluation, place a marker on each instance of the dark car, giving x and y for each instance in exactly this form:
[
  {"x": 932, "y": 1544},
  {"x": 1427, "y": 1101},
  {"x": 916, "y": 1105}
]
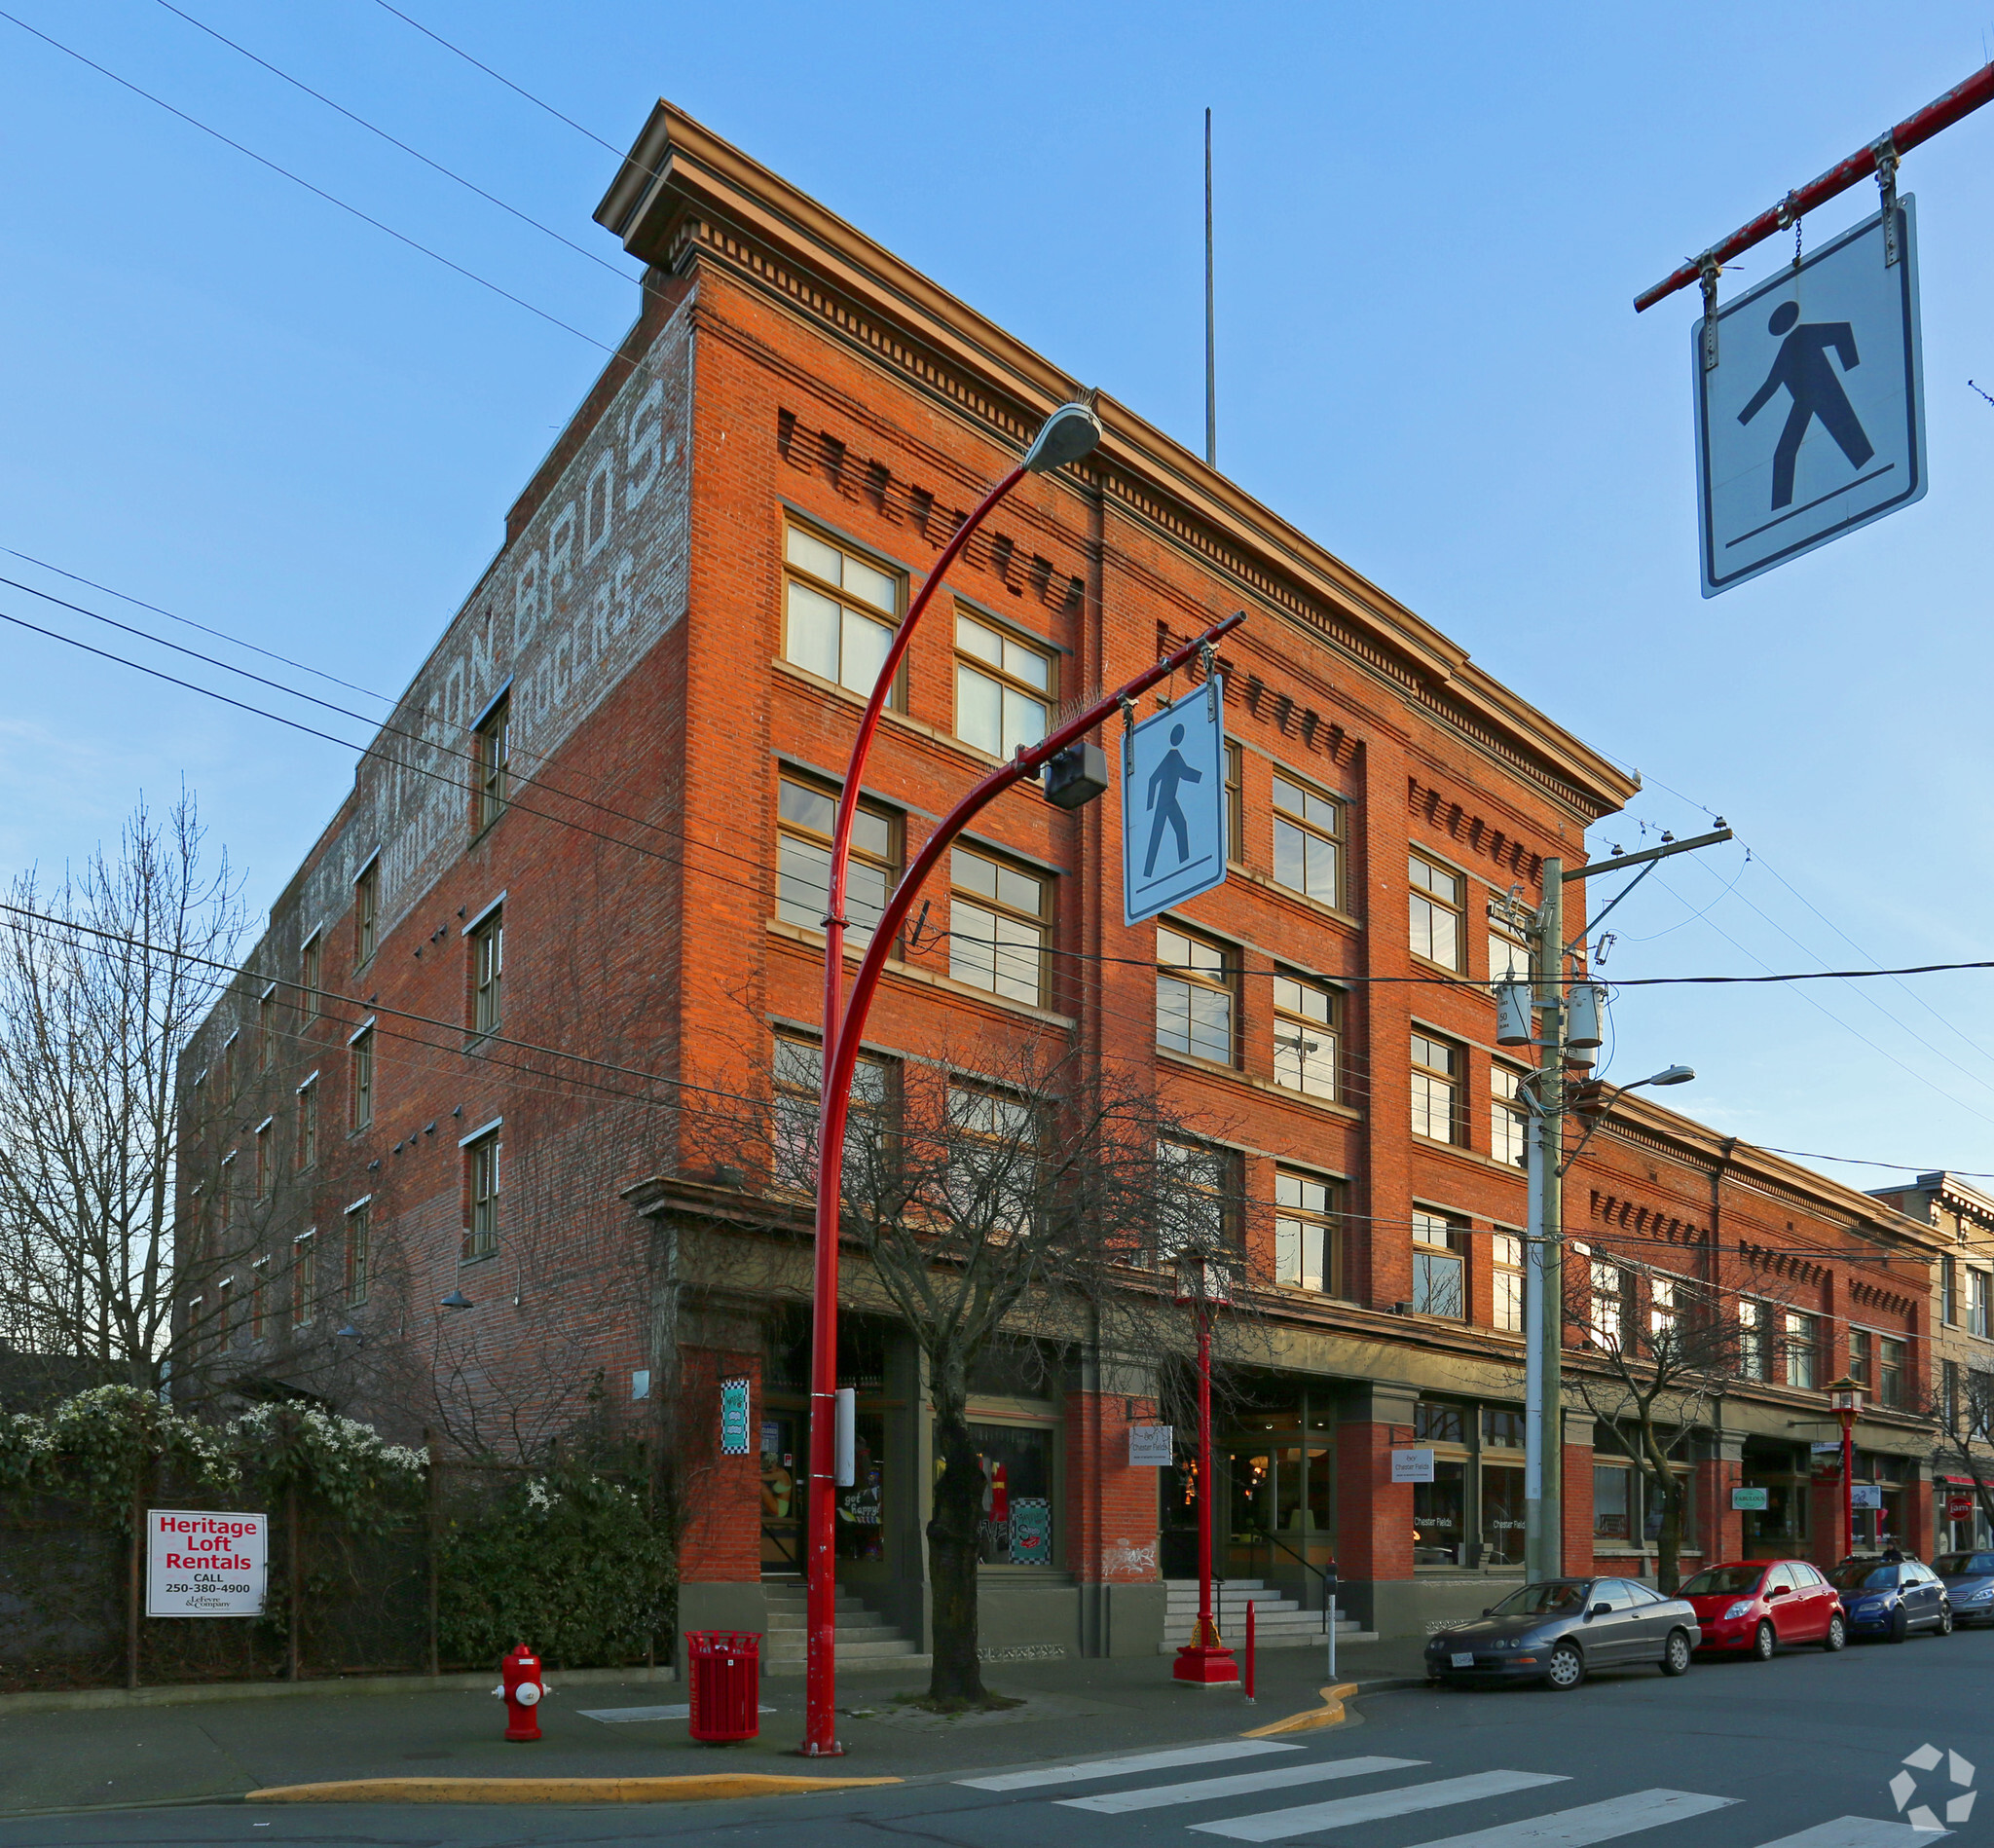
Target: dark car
[
  {"x": 1891, "y": 1598},
  {"x": 1969, "y": 1581},
  {"x": 1753, "y": 1606},
  {"x": 1560, "y": 1629}
]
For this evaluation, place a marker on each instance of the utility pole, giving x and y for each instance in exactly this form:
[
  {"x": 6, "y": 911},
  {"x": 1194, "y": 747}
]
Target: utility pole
[{"x": 1544, "y": 1245}]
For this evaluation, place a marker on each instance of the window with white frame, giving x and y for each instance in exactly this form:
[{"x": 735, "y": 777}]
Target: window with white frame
[
  {"x": 1193, "y": 996},
  {"x": 1305, "y": 1246},
  {"x": 366, "y": 911},
  {"x": 359, "y": 1233},
  {"x": 1439, "y": 1266},
  {"x": 1003, "y": 688},
  {"x": 1753, "y": 1357},
  {"x": 1509, "y": 1119},
  {"x": 487, "y": 973},
  {"x": 1664, "y": 1315},
  {"x": 1978, "y": 1307},
  {"x": 362, "y": 1057},
  {"x": 481, "y": 1189},
  {"x": 1435, "y": 912},
  {"x": 1308, "y": 841},
  {"x": 1436, "y": 1087},
  {"x": 805, "y": 812},
  {"x": 1506, "y": 1304},
  {"x": 1607, "y": 1322},
  {"x": 312, "y": 976},
  {"x": 492, "y": 764},
  {"x": 304, "y": 1278},
  {"x": 839, "y": 612},
  {"x": 1306, "y": 1018},
  {"x": 307, "y": 1122},
  {"x": 998, "y": 920}
]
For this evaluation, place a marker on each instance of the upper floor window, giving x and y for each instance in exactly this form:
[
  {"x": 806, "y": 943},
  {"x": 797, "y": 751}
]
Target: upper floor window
[
  {"x": 1308, "y": 833},
  {"x": 1800, "y": 1349},
  {"x": 1437, "y": 911},
  {"x": 492, "y": 763},
  {"x": 1198, "y": 1191},
  {"x": 488, "y": 972},
  {"x": 1439, "y": 1266},
  {"x": 481, "y": 1190},
  {"x": 1307, "y": 1251},
  {"x": 1753, "y": 1355},
  {"x": 1436, "y": 1089},
  {"x": 1003, "y": 688},
  {"x": 259, "y": 1288},
  {"x": 361, "y": 1055},
  {"x": 312, "y": 977},
  {"x": 1860, "y": 1347},
  {"x": 1608, "y": 1321},
  {"x": 1235, "y": 800},
  {"x": 1509, "y": 1117},
  {"x": 263, "y": 1167},
  {"x": 839, "y": 612},
  {"x": 993, "y": 1160},
  {"x": 1305, "y": 1036},
  {"x": 1664, "y": 1315},
  {"x": 307, "y": 1122},
  {"x": 1890, "y": 1372},
  {"x": 266, "y": 1028},
  {"x": 804, "y": 814},
  {"x": 1508, "y": 959},
  {"x": 1506, "y": 1304},
  {"x": 998, "y": 915},
  {"x": 1193, "y": 996},
  {"x": 1977, "y": 1308},
  {"x": 225, "y": 1196},
  {"x": 304, "y": 1278},
  {"x": 359, "y": 1231},
  {"x": 798, "y": 1075},
  {"x": 366, "y": 911},
  {"x": 1948, "y": 1288}
]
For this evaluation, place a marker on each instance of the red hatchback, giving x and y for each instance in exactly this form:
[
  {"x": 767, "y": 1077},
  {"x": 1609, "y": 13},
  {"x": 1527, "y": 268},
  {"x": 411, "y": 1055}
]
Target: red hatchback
[{"x": 1754, "y": 1606}]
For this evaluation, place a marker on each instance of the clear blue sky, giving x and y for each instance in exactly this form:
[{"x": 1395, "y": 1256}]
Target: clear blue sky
[{"x": 230, "y": 398}]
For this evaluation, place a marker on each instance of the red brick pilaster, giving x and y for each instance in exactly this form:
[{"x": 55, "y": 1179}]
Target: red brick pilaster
[
  {"x": 722, "y": 1539},
  {"x": 1111, "y": 1508}
]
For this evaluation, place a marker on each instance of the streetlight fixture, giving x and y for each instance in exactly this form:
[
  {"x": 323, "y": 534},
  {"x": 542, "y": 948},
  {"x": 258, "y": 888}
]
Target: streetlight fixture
[
  {"x": 1068, "y": 433},
  {"x": 1204, "y": 1286},
  {"x": 1845, "y": 1399},
  {"x": 457, "y": 1299}
]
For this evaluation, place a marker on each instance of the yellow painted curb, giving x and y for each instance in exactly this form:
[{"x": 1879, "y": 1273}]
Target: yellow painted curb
[
  {"x": 685, "y": 1789},
  {"x": 1329, "y": 1714}
]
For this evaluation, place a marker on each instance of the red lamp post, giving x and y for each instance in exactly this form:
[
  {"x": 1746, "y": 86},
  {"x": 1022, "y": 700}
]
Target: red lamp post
[
  {"x": 1204, "y": 1286},
  {"x": 1846, "y": 1397}
]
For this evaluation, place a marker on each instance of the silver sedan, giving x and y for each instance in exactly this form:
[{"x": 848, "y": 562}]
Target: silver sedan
[{"x": 1559, "y": 1630}]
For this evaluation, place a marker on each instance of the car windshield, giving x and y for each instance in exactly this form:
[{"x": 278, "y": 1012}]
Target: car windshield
[
  {"x": 1722, "y": 1581},
  {"x": 1543, "y": 1600},
  {"x": 1863, "y": 1574},
  {"x": 1964, "y": 1565}
]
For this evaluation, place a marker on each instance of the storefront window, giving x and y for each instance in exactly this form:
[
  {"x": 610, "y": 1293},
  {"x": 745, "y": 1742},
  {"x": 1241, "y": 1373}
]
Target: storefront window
[
  {"x": 1613, "y": 1504},
  {"x": 1503, "y": 1522},
  {"x": 1017, "y": 1494},
  {"x": 783, "y": 1475},
  {"x": 1439, "y": 1515},
  {"x": 862, "y": 1508}
]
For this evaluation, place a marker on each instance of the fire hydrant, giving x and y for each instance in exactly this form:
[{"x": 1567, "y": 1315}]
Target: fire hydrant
[{"x": 522, "y": 1690}]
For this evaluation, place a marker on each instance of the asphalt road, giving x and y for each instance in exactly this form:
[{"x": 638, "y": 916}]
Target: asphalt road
[{"x": 1799, "y": 1752}]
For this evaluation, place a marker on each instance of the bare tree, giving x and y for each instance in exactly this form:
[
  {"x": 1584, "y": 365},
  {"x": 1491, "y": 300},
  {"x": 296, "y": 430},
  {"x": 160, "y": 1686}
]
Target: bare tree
[
  {"x": 1963, "y": 1443},
  {"x": 1657, "y": 1350},
  {"x": 1016, "y": 1199},
  {"x": 94, "y": 1009}
]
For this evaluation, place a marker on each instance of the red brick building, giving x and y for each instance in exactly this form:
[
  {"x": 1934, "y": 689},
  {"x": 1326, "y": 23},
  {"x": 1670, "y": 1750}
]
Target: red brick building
[{"x": 565, "y": 925}]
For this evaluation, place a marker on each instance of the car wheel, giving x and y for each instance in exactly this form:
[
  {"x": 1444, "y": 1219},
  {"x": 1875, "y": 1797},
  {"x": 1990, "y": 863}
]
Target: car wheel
[
  {"x": 1945, "y": 1620},
  {"x": 1676, "y": 1653},
  {"x": 1763, "y": 1642},
  {"x": 1837, "y": 1636},
  {"x": 1567, "y": 1668},
  {"x": 1900, "y": 1626}
]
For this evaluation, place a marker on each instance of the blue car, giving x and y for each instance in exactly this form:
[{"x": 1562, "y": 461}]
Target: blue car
[{"x": 1889, "y": 1599}]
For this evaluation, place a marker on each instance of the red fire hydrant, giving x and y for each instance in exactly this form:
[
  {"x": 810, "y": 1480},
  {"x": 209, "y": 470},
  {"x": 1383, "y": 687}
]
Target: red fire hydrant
[{"x": 522, "y": 1689}]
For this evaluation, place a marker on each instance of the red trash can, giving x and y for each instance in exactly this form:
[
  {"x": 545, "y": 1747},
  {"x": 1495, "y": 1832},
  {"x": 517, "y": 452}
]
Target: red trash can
[{"x": 723, "y": 1668}]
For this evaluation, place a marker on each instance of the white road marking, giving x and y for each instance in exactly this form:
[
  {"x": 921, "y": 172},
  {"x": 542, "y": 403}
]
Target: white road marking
[
  {"x": 1859, "y": 1831},
  {"x": 1592, "y": 1822},
  {"x": 1243, "y": 1784},
  {"x": 1340, "y": 1813},
  {"x": 1125, "y": 1767}
]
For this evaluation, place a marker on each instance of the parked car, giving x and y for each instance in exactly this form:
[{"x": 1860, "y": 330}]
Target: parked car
[
  {"x": 1969, "y": 1581},
  {"x": 1558, "y": 1629},
  {"x": 1753, "y": 1606},
  {"x": 1892, "y": 1598}
]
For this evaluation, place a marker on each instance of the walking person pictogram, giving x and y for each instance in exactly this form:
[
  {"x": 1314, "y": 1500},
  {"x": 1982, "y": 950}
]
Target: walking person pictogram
[
  {"x": 1163, "y": 784},
  {"x": 1802, "y": 365}
]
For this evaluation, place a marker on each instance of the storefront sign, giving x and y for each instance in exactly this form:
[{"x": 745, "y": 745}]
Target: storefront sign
[
  {"x": 1412, "y": 1465},
  {"x": 1152, "y": 1446},
  {"x": 1959, "y": 1507},
  {"x": 1752, "y": 1499},
  {"x": 1866, "y": 1494},
  {"x": 201, "y": 1564},
  {"x": 1031, "y": 1530},
  {"x": 734, "y": 1422}
]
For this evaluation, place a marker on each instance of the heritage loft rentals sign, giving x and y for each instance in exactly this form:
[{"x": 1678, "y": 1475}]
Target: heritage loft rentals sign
[{"x": 204, "y": 1563}]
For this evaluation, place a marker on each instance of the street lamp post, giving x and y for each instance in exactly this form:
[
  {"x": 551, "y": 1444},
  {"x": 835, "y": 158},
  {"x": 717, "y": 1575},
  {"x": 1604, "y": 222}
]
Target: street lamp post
[
  {"x": 1204, "y": 1286},
  {"x": 1846, "y": 1397}
]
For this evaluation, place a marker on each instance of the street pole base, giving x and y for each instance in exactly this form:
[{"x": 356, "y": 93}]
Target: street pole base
[
  {"x": 810, "y": 1749},
  {"x": 1205, "y": 1665}
]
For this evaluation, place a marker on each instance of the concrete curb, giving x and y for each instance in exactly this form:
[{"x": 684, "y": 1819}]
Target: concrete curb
[
  {"x": 83, "y": 1699},
  {"x": 1329, "y": 1714},
  {"x": 681, "y": 1790}
]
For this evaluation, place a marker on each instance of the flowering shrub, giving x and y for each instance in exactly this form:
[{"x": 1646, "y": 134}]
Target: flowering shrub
[
  {"x": 342, "y": 1465},
  {"x": 107, "y": 1444}
]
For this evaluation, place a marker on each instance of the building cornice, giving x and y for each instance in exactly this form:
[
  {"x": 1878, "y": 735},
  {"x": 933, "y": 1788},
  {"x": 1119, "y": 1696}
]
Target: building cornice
[{"x": 684, "y": 196}]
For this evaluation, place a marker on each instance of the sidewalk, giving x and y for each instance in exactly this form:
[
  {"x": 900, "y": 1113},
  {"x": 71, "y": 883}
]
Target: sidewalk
[{"x": 218, "y": 1749}]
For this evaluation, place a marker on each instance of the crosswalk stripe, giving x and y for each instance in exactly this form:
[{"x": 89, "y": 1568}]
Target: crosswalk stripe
[
  {"x": 1243, "y": 1784},
  {"x": 1122, "y": 1767},
  {"x": 1590, "y": 1822},
  {"x": 1858, "y": 1831},
  {"x": 1280, "y": 1824}
]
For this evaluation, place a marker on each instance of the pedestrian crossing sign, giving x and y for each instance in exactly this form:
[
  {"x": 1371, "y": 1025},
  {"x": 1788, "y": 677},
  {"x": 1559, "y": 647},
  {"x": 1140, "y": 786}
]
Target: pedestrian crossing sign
[
  {"x": 1812, "y": 423},
  {"x": 1173, "y": 803}
]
